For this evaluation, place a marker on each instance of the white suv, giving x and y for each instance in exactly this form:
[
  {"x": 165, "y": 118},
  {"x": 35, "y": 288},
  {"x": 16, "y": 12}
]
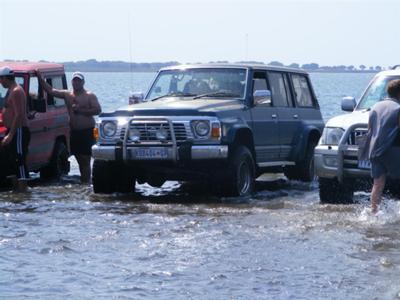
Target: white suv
[{"x": 336, "y": 156}]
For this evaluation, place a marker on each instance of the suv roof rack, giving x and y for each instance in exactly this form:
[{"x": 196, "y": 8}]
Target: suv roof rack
[{"x": 395, "y": 67}]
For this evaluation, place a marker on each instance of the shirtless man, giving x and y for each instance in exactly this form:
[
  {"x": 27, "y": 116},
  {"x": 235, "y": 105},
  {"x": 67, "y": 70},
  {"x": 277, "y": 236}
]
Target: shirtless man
[
  {"x": 15, "y": 119},
  {"x": 82, "y": 106}
]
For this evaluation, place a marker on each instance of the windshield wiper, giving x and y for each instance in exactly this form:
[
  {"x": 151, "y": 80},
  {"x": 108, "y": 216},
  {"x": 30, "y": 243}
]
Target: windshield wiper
[
  {"x": 218, "y": 94},
  {"x": 174, "y": 94}
]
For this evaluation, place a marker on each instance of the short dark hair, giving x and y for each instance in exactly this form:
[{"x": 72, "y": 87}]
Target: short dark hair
[{"x": 393, "y": 89}]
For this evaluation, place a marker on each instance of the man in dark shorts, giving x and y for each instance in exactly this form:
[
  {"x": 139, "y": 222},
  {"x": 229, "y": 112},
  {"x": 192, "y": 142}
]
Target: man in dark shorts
[
  {"x": 82, "y": 107},
  {"x": 16, "y": 141},
  {"x": 383, "y": 151}
]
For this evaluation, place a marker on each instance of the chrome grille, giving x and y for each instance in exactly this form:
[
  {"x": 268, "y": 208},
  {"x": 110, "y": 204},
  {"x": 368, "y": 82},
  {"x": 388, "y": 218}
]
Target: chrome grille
[
  {"x": 356, "y": 136},
  {"x": 180, "y": 132},
  {"x": 122, "y": 133},
  {"x": 148, "y": 130}
]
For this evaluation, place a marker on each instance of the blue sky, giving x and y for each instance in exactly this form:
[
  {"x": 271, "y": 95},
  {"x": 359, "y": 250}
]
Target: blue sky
[{"x": 327, "y": 32}]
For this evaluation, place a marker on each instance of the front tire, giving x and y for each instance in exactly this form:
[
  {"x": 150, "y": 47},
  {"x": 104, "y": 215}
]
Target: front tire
[
  {"x": 109, "y": 177},
  {"x": 241, "y": 173},
  {"x": 102, "y": 177},
  {"x": 333, "y": 192}
]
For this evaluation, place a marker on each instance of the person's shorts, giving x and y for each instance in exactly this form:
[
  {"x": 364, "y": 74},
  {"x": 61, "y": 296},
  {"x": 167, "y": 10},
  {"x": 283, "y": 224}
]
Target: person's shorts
[
  {"x": 81, "y": 141},
  {"x": 388, "y": 164}
]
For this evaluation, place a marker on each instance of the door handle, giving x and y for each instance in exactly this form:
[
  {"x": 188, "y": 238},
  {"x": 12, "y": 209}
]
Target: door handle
[
  {"x": 296, "y": 116},
  {"x": 274, "y": 116}
]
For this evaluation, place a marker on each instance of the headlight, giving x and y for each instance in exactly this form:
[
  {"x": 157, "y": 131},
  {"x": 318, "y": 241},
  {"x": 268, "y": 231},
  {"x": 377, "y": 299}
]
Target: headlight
[
  {"x": 134, "y": 135},
  {"x": 201, "y": 128},
  {"x": 331, "y": 136},
  {"x": 109, "y": 129}
]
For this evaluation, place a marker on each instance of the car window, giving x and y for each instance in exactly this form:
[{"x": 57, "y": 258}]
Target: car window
[
  {"x": 57, "y": 83},
  {"x": 375, "y": 92},
  {"x": 260, "y": 83},
  {"x": 302, "y": 91},
  {"x": 199, "y": 81},
  {"x": 288, "y": 89},
  {"x": 33, "y": 88},
  {"x": 278, "y": 89}
]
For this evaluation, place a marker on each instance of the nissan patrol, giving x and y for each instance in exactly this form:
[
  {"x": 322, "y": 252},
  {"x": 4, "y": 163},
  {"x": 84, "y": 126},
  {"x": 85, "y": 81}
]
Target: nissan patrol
[{"x": 225, "y": 124}]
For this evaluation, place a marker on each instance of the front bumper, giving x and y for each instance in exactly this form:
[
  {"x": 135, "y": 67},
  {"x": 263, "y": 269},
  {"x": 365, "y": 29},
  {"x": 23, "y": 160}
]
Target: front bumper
[
  {"x": 328, "y": 164},
  {"x": 340, "y": 161},
  {"x": 180, "y": 153}
]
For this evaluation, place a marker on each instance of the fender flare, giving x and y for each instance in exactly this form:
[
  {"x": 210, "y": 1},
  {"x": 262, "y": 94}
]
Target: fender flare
[{"x": 307, "y": 134}]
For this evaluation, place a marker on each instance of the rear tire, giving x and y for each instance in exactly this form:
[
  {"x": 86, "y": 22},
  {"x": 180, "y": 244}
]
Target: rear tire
[
  {"x": 303, "y": 170},
  {"x": 241, "y": 173},
  {"x": 333, "y": 192},
  {"x": 59, "y": 164}
]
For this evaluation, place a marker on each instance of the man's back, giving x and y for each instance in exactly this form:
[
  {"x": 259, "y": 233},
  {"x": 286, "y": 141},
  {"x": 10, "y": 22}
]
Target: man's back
[{"x": 384, "y": 126}]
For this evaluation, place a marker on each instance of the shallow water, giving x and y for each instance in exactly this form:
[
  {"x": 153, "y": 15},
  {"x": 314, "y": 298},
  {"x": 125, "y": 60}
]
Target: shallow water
[{"x": 62, "y": 241}]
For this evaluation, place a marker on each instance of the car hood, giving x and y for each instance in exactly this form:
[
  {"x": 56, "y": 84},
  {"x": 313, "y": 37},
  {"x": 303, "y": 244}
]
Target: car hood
[
  {"x": 180, "y": 106},
  {"x": 347, "y": 120}
]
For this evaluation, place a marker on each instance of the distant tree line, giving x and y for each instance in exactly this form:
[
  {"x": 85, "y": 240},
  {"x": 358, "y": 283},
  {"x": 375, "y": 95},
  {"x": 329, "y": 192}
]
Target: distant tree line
[{"x": 92, "y": 65}]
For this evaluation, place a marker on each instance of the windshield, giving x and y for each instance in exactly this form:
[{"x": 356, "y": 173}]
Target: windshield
[
  {"x": 3, "y": 90},
  {"x": 376, "y": 92},
  {"x": 217, "y": 82}
]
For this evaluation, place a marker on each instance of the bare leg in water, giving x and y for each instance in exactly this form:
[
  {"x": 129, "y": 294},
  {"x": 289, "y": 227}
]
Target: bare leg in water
[
  {"x": 84, "y": 167},
  {"x": 376, "y": 194}
]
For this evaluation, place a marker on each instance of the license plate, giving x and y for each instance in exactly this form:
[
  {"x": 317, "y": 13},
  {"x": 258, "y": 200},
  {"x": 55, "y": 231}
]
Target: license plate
[
  {"x": 364, "y": 164},
  {"x": 151, "y": 153}
]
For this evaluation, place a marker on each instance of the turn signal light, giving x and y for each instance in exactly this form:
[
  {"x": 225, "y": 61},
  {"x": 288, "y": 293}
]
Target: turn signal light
[
  {"x": 96, "y": 133},
  {"x": 216, "y": 131}
]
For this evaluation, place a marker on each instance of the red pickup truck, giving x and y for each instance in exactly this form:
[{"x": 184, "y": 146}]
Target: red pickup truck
[{"x": 48, "y": 120}]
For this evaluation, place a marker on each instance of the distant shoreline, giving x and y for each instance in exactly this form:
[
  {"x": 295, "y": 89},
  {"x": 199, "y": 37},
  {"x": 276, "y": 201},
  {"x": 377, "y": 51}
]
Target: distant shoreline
[
  {"x": 154, "y": 71},
  {"x": 93, "y": 65}
]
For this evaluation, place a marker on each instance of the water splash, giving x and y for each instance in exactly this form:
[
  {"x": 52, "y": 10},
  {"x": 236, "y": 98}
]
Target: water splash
[{"x": 388, "y": 213}]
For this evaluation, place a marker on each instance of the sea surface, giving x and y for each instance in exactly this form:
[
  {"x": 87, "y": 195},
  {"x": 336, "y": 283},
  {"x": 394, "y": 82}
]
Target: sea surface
[{"x": 60, "y": 241}]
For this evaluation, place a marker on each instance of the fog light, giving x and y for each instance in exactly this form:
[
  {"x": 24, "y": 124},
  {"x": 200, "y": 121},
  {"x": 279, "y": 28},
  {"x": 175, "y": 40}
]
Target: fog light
[
  {"x": 331, "y": 161},
  {"x": 134, "y": 135},
  {"x": 162, "y": 134}
]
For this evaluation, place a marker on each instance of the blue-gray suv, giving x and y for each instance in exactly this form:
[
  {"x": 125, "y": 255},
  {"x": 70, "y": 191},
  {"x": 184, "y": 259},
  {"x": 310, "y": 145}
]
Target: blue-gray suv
[{"x": 221, "y": 123}]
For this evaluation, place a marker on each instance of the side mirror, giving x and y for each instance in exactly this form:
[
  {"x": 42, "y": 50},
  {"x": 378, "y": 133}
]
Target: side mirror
[
  {"x": 39, "y": 105},
  {"x": 348, "y": 103},
  {"x": 262, "y": 97},
  {"x": 136, "y": 98},
  {"x": 1, "y": 101}
]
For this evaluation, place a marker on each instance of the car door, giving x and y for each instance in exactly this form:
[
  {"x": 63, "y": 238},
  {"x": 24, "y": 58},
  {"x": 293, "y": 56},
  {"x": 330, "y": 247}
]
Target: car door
[
  {"x": 289, "y": 121},
  {"x": 306, "y": 102},
  {"x": 264, "y": 123},
  {"x": 40, "y": 149}
]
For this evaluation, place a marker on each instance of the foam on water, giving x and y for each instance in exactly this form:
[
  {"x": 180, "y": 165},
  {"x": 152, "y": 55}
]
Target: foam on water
[{"x": 388, "y": 213}]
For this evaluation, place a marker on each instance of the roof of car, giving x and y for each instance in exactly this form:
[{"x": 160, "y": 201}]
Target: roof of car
[
  {"x": 235, "y": 65},
  {"x": 393, "y": 72},
  {"x": 31, "y": 66}
]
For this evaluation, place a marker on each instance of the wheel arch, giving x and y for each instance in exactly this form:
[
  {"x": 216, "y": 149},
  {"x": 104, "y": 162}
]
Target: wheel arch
[{"x": 310, "y": 135}]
